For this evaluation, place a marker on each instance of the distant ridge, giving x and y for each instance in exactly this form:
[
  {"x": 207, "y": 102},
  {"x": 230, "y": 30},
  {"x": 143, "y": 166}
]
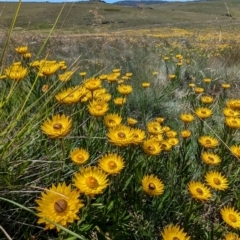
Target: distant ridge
[{"x": 135, "y": 3}]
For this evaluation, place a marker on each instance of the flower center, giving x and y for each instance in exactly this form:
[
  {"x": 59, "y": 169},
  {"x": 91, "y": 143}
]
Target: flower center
[
  {"x": 232, "y": 218},
  {"x": 151, "y": 186},
  {"x": 60, "y": 206},
  {"x": 199, "y": 191},
  {"x": 175, "y": 238},
  {"x": 151, "y": 148},
  {"x": 234, "y": 122},
  {"x": 121, "y": 135},
  {"x": 112, "y": 121},
  {"x": 203, "y": 112},
  {"x": 92, "y": 182},
  {"x": 57, "y": 126},
  {"x": 98, "y": 107},
  {"x": 208, "y": 141},
  {"x": 211, "y": 159},
  {"x": 112, "y": 165},
  {"x": 80, "y": 157},
  {"x": 216, "y": 181}
]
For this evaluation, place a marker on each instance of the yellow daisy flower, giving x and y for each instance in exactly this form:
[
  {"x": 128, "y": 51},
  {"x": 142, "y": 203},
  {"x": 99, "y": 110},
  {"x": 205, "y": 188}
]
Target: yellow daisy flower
[
  {"x": 59, "y": 204},
  {"x": 165, "y": 146},
  {"x": 186, "y": 133},
  {"x": 198, "y": 90},
  {"x": 97, "y": 108},
  {"x": 231, "y": 216},
  {"x": 174, "y": 232},
  {"x": 216, "y": 180},
  {"x": 151, "y": 147},
  {"x": 233, "y": 122},
  {"x": 121, "y": 135},
  {"x": 112, "y": 120},
  {"x": 57, "y": 127},
  {"x": 138, "y": 136},
  {"x": 92, "y": 83},
  {"x": 152, "y": 185},
  {"x": 199, "y": 191},
  {"x": 157, "y": 138},
  {"x": 171, "y": 134},
  {"x": 159, "y": 119},
  {"x": 225, "y": 85},
  {"x": 187, "y": 117},
  {"x": 131, "y": 121},
  {"x": 129, "y": 74},
  {"x": 119, "y": 101},
  {"x": 233, "y": 104},
  {"x": 172, "y": 76},
  {"x": 206, "y": 99},
  {"x": 235, "y": 150},
  {"x": 111, "y": 163},
  {"x": 208, "y": 141},
  {"x": 210, "y": 158},
  {"x": 22, "y": 49},
  {"x": 83, "y": 74},
  {"x": 79, "y": 155},
  {"x": 154, "y": 128},
  {"x": 192, "y": 85},
  {"x": 231, "y": 236},
  {"x": 145, "y": 84},
  {"x": 203, "y": 112},
  {"x": 173, "y": 141},
  {"x": 124, "y": 89},
  {"x": 16, "y": 72},
  {"x": 48, "y": 68},
  {"x": 27, "y": 55},
  {"x": 65, "y": 77},
  {"x": 207, "y": 80},
  {"x": 229, "y": 112},
  {"x": 91, "y": 180}
]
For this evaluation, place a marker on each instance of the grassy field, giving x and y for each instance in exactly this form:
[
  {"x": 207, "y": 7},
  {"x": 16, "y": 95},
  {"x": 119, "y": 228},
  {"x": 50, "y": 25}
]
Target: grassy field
[{"x": 120, "y": 122}]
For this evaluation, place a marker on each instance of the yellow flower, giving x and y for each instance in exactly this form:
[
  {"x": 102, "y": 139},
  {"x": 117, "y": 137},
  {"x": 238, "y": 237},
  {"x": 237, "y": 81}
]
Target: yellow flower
[
  {"x": 173, "y": 141},
  {"x": 172, "y": 76},
  {"x": 97, "y": 108},
  {"x": 166, "y": 58},
  {"x": 155, "y": 73},
  {"x": 120, "y": 101},
  {"x": 226, "y": 85},
  {"x": 128, "y": 74},
  {"x": 154, "y": 128},
  {"x": 120, "y": 135},
  {"x": 22, "y": 49},
  {"x": 157, "y": 138},
  {"x": 58, "y": 127},
  {"x": 207, "y": 80},
  {"x": 229, "y": 112},
  {"x": 145, "y": 84},
  {"x": 111, "y": 163},
  {"x": 165, "y": 146},
  {"x": 131, "y": 121},
  {"x": 138, "y": 136},
  {"x": 91, "y": 180},
  {"x": 210, "y": 158},
  {"x": 172, "y": 232},
  {"x": 116, "y": 70},
  {"x": 231, "y": 236},
  {"x": 171, "y": 134},
  {"x": 27, "y": 55},
  {"x": 216, "y": 180},
  {"x": 187, "y": 117},
  {"x": 65, "y": 77},
  {"x": 198, "y": 90},
  {"x": 112, "y": 120},
  {"x": 82, "y": 74},
  {"x": 112, "y": 77},
  {"x": 16, "y": 72},
  {"x": 152, "y": 185},
  {"x": 159, "y": 119},
  {"x": 207, "y": 99},
  {"x": 233, "y": 122},
  {"x": 92, "y": 83},
  {"x": 48, "y": 68},
  {"x": 231, "y": 216},
  {"x": 192, "y": 85},
  {"x": 151, "y": 147},
  {"x": 79, "y": 155},
  {"x": 233, "y": 104},
  {"x": 203, "y": 112},
  {"x": 124, "y": 89},
  {"x": 59, "y": 204},
  {"x": 199, "y": 191},
  {"x": 208, "y": 141},
  {"x": 186, "y": 133},
  {"x": 235, "y": 150}
]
